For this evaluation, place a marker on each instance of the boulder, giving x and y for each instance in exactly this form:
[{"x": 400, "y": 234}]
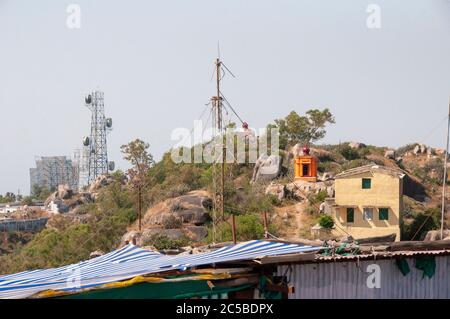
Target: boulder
[
  {"x": 420, "y": 149},
  {"x": 390, "y": 154},
  {"x": 423, "y": 148},
  {"x": 96, "y": 254},
  {"x": 276, "y": 190},
  {"x": 356, "y": 145},
  {"x": 196, "y": 216},
  {"x": 196, "y": 233},
  {"x": 191, "y": 208},
  {"x": 51, "y": 198},
  {"x": 326, "y": 176},
  {"x": 100, "y": 182},
  {"x": 267, "y": 168},
  {"x": 64, "y": 192},
  {"x": 132, "y": 237},
  {"x": 301, "y": 189},
  {"x": 433, "y": 235}
]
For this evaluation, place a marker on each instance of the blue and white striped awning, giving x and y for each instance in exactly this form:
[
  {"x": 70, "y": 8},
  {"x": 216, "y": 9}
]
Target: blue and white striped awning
[{"x": 131, "y": 261}]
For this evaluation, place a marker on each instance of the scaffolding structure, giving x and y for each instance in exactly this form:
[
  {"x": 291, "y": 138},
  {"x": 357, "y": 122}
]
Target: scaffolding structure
[
  {"x": 52, "y": 171},
  {"x": 81, "y": 162},
  {"x": 97, "y": 143}
]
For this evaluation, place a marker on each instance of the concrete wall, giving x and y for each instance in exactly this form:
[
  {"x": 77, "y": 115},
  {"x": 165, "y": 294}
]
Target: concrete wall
[
  {"x": 348, "y": 280},
  {"x": 32, "y": 225},
  {"x": 385, "y": 192}
]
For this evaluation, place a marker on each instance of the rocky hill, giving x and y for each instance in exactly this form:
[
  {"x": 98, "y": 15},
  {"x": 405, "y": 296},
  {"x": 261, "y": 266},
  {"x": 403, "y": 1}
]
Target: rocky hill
[{"x": 178, "y": 204}]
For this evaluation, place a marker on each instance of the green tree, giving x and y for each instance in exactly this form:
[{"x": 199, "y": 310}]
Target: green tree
[
  {"x": 136, "y": 152},
  {"x": 40, "y": 192},
  {"x": 303, "y": 129}
]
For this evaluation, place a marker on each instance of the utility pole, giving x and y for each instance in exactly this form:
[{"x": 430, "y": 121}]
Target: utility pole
[
  {"x": 140, "y": 206},
  {"x": 444, "y": 183},
  {"x": 217, "y": 102},
  {"x": 218, "y": 111}
]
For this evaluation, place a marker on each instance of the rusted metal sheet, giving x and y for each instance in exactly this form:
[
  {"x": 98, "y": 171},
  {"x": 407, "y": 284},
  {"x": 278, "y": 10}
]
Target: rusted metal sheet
[{"x": 348, "y": 280}]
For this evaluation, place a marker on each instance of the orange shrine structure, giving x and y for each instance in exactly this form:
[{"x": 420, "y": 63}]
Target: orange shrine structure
[{"x": 305, "y": 166}]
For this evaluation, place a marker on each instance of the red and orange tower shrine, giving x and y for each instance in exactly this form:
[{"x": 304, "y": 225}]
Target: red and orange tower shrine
[{"x": 305, "y": 166}]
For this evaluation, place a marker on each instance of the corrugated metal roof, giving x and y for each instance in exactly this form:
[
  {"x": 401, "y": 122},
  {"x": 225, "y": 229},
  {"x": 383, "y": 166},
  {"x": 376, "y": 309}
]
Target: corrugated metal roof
[
  {"x": 349, "y": 279},
  {"x": 382, "y": 254},
  {"x": 129, "y": 262}
]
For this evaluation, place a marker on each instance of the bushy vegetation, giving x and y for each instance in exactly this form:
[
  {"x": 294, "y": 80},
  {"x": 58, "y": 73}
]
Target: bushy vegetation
[
  {"x": 71, "y": 242},
  {"x": 248, "y": 227},
  {"x": 349, "y": 153},
  {"x": 163, "y": 242},
  {"x": 404, "y": 149},
  {"x": 326, "y": 221},
  {"x": 316, "y": 199},
  {"x": 419, "y": 223},
  {"x": 431, "y": 172}
]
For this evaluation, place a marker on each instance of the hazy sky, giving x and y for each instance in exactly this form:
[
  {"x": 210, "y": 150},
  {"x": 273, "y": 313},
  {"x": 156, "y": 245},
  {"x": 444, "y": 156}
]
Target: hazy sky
[{"x": 154, "y": 60}]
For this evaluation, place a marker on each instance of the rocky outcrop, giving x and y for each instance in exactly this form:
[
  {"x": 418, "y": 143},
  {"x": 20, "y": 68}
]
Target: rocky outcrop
[
  {"x": 356, "y": 145},
  {"x": 267, "y": 168},
  {"x": 96, "y": 254},
  {"x": 390, "y": 154},
  {"x": 191, "y": 208},
  {"x": 420, "y": 149},
  {"x": 326, "y": 176},
  {"x": 277, "y": 190},
  {"x": 175, "y": 218},
  {"x": 102, "y": 181},
  {"x": 300, "y": 189},
  {"x": 64, "y": 192},
  {"x": 433, "y": 235}
]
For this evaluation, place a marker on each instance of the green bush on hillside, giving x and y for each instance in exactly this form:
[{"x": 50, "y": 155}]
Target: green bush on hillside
[
  {"x": 163, "y": 242},
  {"x": 326, "y": 221}
]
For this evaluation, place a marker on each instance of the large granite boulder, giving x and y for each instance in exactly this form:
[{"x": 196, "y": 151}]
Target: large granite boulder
[
  {"x": 267, "y": 168},
  {"x": 433, "y": 235},
  {"x": 191, "y": 208}
]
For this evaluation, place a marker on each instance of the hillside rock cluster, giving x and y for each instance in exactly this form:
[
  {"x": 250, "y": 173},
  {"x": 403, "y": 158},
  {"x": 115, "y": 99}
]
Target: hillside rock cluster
[{"x": 175, "y": 218}]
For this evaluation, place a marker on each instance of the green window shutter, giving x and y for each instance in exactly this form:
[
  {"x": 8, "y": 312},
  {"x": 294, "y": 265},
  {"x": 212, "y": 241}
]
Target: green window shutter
[
  {"x": 366, "y": 183},
  {"x": 383, "y": 213},
  {"x": 350, "y": 215}
]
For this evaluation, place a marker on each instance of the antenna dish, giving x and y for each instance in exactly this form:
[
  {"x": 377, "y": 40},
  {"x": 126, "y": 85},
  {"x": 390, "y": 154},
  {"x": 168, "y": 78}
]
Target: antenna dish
[
  {"x": 109, "y": 122},
  {"x": 86, "y": 141},
  {"x": 88, "y": 99},
  {"x": 111, "y": 166}
]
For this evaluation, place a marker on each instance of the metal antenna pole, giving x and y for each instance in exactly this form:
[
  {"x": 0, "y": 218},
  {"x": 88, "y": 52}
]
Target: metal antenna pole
[
  {"x": 217, "y": 104},
  {"x": 444, "y": 183}
]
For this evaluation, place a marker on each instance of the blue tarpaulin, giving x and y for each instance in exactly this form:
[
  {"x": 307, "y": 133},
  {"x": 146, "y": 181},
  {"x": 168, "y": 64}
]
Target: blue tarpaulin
[{"x": 131, "y": 261}]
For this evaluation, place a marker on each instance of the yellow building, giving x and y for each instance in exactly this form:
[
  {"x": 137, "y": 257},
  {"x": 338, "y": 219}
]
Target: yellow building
[{"x": 368, "y": 201}]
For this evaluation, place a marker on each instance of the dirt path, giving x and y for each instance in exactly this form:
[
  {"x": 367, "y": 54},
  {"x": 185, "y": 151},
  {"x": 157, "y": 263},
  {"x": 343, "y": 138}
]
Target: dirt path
[{"x": 291, "y": 221}]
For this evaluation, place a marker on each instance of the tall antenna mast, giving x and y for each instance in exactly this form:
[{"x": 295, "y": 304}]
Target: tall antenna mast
[
  {"x": 444, "y": 183},
  {"x": 100, "y": 125},
  {"x": 217, "y": 109},
  {"x": 218, "y": 114}
]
